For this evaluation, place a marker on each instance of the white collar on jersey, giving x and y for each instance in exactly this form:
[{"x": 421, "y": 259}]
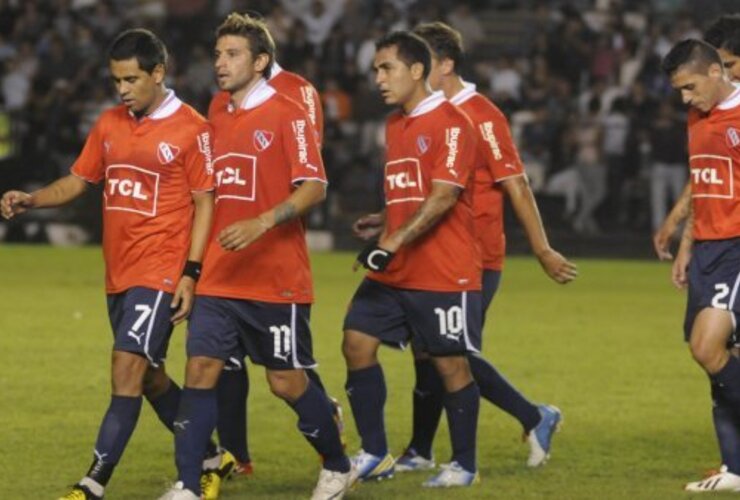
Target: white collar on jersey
[
  {"x": 276, "y": 69},
  {"x": 427, "y": 104},
  {"x": 466, "y": 93},
  {"x": 732, "y": 101},
  {"x": 166, "y": 108},
  {"x": 257, "y": 95}
]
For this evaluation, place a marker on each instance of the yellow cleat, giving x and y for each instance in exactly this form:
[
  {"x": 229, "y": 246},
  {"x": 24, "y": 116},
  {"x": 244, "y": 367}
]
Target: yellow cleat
[
  {"x": 210, "y": 484},
  {"x": 80, "y": 492}
]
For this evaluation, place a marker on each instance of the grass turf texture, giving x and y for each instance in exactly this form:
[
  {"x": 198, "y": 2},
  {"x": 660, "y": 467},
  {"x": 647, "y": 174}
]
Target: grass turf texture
[{"x": 606, "y": 349}]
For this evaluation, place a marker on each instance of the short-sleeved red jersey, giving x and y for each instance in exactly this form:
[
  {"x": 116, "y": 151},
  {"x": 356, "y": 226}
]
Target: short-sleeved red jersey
[
  {"x": 261, "y": 151},
  {"x": 433, "y": 143},
  {"x": 496, "y": 159},
  {"x": 714, "y": 151},
  {"x": 150, "y": 168},
  {"x": 292, "y": 85}
]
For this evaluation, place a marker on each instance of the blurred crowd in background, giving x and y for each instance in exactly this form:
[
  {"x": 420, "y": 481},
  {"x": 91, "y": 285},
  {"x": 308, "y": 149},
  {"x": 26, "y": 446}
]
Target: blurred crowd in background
[{"x": 598, "y": 127}]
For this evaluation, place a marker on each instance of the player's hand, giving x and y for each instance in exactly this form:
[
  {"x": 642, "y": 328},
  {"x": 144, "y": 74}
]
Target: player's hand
[
  {"x": 373, "y": 258},
  {"x": 369, "y": 226},
  {"x": 662, "y": 240},
  {"x": 14, "y": 203},
  {"x": 183, "y": 299},
  {"x": 679, "y": 275},
  {"x": 557, "y": 267},
  {"x": 240, "y": 235}
]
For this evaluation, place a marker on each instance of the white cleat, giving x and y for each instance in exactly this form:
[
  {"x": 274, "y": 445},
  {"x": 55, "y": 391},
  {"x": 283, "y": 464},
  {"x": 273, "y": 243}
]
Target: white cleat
[
  {"x": 333, "y": 485},
  {"x": 178, "y": 492},
  {"x": 722, "y": 481},
  {"x": 412, "y": 461}
]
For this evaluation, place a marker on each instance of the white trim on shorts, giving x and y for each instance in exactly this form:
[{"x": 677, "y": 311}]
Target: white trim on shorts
[
  {"x": 293, "y": 343},
  {"x": 468, "y": 345},
  {"x": 149, "y": 330}
]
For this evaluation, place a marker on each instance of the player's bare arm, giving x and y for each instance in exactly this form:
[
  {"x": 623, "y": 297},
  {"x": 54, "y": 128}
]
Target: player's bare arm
[
  {"x": 185, "y": 291},
  {"x": 442, "y": 198},
  {"x": 681, "y": 264},
  {"x": 369, "y": 226},
  {"x": 57, "y": 193},
  {"x": 553, "y": 263},
  {"x": 241, "y": 234},
  {"x": 664, "y": 235}
]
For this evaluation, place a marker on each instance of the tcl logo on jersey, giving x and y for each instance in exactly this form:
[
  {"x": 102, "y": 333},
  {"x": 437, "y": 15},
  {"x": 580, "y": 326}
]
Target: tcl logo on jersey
[
  {"x": 262, "y": 139},
  {"x": 451, "y": 139},
  {"x": 235, "y": 176},
  {"x": 711, "y": 176},
  {"x": 131, "y": 189},
  {"x": 403, "y": 181},
  {"x": 486, "y": 130},
  {"x": 166, "y": 153}
]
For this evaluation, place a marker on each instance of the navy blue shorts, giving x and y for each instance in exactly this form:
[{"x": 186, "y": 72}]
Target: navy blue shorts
[
  {"x": 140, "y": 319},
  {"x": 441, "y": 323},
  {"x": 714, "y": 276},
  {"x": 276, "y": 336}
]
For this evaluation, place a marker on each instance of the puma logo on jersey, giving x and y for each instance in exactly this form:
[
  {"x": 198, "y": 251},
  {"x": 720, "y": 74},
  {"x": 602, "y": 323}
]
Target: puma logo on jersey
[
  {"x": 711, "y": 176},
  {"x": 451, "y": 139},
  {"x": 486, "y": 130},
  {"x": 166, "y": 153},
  {"x": 262, "y": 139},
  {"x": 299, "y": 129}
]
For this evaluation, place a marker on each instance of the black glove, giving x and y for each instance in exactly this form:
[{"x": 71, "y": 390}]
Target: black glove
[{"x": 374, "y": 258}]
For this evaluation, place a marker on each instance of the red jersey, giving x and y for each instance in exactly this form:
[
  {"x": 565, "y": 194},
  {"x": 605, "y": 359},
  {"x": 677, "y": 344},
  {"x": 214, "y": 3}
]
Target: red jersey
[
  {"x": 714, "y": 148},
  {"x": 150, "y": 167},
  {"x": 261, "y": 151},
  {"x": 292, "y": 85},
  {"x": 496, "y": 159},
  {"x": 433, "y": 143}
]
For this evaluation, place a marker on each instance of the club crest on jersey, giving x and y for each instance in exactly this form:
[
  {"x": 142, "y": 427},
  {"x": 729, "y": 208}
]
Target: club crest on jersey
[
  {"x": 166, "y": 153},
  {"x": 423, "y": 142},
  {"x": 733, "y": 137},
  {"x": 262, "y": 139}
]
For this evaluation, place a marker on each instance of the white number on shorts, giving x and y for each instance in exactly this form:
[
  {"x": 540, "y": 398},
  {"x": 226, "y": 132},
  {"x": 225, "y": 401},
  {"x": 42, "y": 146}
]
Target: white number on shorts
[
  {"x": 450, "y": 321},
  {"x": 722, "y": 291},
  {"x": 145, "y": 311},
  {"x": 281, "y": 341}
]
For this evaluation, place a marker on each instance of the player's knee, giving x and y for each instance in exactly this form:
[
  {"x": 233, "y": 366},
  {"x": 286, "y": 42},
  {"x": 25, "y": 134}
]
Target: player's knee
[
  {"x": 156, "y": 382},
  {"x": 127, "y": 375},
  {"x": 454, "y": 371},
  {"x": 358, "y": 353},
  {"x": 707, "y": 354},
  {"x": 202, "y": 372},
  {"x": 287, "y": 385}
]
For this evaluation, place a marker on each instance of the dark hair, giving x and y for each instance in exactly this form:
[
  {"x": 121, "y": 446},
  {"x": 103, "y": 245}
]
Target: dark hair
[
  {"x": 724, "y": 33},
  {"x": 445, "y": 41},
  {"x": 139, "y": 44},
  {"x": 411, "y": 48},
  {"x": 255, "y": 31},
  {"x": 688, "y": 51}
]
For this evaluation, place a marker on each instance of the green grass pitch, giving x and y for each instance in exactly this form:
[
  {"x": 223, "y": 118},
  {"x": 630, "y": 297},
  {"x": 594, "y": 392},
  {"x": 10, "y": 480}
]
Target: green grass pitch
[{"x": 606, "y": 349}]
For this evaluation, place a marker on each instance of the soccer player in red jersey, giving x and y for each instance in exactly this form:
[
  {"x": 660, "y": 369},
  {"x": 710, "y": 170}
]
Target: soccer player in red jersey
[
  {"x": 425, "y": 269},
  {"x": 256, "y": 293},
  {"x": 233, "y": 384},
  {"x": 498, "y": 172},
  {"x": 152, "y": 154},
  {"x": 708, "y": 259}
]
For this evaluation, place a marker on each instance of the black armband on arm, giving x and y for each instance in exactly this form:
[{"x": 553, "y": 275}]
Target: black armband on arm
[
  {"x": 374, "y": 258},
  {"x": 192, "y": 269}
]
